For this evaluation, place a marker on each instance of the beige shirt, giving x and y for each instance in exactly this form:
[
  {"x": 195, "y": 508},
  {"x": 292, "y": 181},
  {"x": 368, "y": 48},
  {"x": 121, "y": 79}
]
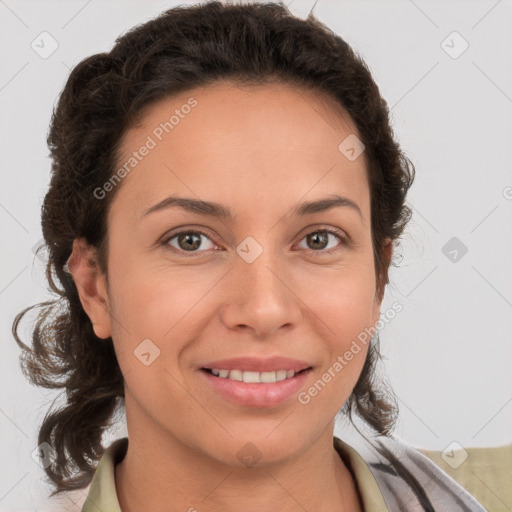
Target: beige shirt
[{"x": 486, "y": 474}]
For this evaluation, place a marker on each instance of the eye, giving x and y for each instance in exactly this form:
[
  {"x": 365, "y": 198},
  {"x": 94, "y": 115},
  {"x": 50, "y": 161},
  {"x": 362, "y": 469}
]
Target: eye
[
  {"x": 190, "y": 241},
  {"x": 187, "y": 241},
  {"x": 320, "y": 239}
]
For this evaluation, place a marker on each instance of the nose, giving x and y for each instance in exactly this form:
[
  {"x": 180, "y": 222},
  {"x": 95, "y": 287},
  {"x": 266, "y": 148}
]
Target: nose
[{"x": 259, "y": 297}]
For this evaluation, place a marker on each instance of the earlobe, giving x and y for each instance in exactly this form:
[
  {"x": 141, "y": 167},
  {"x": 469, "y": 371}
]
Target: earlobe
[{"x": 91, "y": 286}]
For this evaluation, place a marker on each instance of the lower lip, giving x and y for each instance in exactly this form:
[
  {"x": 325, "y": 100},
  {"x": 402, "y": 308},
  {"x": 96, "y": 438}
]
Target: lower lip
[{"x": 254, "y": 394}]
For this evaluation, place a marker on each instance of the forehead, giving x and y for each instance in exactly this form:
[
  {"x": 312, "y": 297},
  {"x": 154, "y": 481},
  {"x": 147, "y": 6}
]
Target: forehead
[{"x": 234, "y": 144}]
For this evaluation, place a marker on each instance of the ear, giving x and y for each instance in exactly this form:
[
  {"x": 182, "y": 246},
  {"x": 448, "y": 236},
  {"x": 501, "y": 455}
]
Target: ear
[
  {"x": 387, "y": 249},
  {"x": 91, "y": 285}
]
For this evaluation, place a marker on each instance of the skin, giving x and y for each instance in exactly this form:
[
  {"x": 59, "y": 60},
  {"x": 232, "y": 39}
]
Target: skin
[{"x": 259, "y": 151}]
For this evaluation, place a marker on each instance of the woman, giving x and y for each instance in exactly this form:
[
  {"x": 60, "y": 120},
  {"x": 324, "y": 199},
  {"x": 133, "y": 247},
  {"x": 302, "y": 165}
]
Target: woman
[{"x": 225, "y": 198}]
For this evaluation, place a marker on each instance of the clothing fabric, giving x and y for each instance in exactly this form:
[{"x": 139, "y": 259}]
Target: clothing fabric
[{"x": 391, "y": 476}]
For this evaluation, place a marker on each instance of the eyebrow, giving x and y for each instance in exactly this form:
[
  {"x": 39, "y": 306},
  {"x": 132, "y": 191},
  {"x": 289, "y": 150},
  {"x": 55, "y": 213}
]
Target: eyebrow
[{"x": 217, "y": 210}]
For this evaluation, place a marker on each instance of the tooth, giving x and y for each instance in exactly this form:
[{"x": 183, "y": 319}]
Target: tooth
[
  {"x": 268, "y": 377},
  {"x": 280, "y": 375},
  {"x": 254, "y": 377},
  {"x": 251, "y": 376},
  {"x": 236, "y": 375}
]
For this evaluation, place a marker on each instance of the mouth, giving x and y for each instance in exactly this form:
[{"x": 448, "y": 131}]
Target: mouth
[
  {"x": 255, "y": 389},
  {"x": 253, "y": 377}
]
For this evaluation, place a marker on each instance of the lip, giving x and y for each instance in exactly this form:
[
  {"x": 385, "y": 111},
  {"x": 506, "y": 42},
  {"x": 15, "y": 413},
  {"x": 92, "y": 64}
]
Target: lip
[
  {"x": 256, "y": 394},
  {"x": 255, "y": 364}
]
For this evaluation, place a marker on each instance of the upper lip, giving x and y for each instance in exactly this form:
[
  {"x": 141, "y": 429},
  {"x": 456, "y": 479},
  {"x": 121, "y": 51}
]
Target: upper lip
[{"x": 256, "y": 364}]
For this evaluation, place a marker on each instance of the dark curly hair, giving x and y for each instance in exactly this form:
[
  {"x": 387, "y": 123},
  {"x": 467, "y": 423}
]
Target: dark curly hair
[{"x": 104, "y": 96}]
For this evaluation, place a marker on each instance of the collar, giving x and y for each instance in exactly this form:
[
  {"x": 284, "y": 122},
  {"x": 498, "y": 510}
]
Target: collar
[{"x": 102, "y": 494}]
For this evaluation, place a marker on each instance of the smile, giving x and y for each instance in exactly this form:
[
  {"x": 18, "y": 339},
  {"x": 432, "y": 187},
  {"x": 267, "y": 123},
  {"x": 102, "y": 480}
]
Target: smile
[{"x": 255, "y": 389}]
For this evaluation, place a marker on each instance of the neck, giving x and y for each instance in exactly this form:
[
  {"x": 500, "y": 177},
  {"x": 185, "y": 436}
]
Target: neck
[{"x": 161, "y": 472}]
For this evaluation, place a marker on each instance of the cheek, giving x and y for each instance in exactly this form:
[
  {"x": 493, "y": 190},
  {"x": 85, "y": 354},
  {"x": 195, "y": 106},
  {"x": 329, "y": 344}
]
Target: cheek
[
  {"x": 149, "y": 299},
  {"x": 344, "y": 299},
  {"x": 344, "y": 310},
  {"x": 346, "y": 346},
  {"x": 148, "y": 338},
  {"x": 156, "y": 312}
]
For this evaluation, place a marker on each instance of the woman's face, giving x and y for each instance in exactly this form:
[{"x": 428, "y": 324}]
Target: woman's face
[{"x": 264, "y": 281}]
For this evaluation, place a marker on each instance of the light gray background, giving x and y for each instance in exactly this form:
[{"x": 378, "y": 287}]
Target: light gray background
[{"x": 448, "y": 353}]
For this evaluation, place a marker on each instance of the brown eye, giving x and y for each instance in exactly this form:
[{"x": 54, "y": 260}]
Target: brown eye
[
  {"x": 318, "y": 241},
  {"x": 188, "y": 241}
]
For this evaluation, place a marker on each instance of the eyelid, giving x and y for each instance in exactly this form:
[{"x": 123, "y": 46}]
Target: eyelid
[
  {"x": 184, "y": 229},
  {"x": 345, "y": 240}
]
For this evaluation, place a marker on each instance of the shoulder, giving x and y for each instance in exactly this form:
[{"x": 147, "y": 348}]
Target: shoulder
[
  {"x": 486, "y": 473},
  {"x": 102, "y": 494},
  {"x": 409, "y": 480}
]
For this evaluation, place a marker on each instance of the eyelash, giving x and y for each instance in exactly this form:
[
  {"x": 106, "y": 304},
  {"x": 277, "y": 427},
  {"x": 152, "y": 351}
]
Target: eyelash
[{"x": 165, "y": 243}]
